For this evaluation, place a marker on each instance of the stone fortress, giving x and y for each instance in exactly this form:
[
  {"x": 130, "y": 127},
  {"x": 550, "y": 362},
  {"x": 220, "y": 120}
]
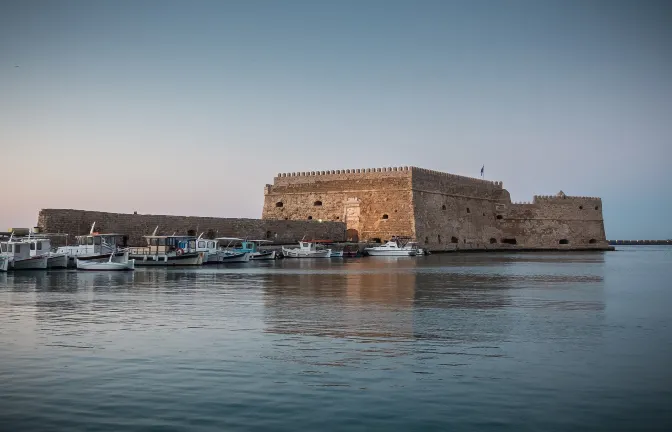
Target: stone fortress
[{"x": 443, "y": 212}]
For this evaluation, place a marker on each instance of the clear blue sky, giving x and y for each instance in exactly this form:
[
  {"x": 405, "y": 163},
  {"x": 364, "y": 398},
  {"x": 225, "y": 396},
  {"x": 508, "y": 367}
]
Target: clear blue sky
[{"x": 190, "y": 107}]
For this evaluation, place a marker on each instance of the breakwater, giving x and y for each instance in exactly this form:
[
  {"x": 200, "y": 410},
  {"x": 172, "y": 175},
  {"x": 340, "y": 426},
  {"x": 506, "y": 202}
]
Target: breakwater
[
  {"x": 135, "y": 226},
  {"x": 639, "y": 242}
]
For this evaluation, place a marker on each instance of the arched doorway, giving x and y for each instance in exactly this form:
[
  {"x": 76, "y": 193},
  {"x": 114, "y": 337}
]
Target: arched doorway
[{"x": 352, "y": 235}]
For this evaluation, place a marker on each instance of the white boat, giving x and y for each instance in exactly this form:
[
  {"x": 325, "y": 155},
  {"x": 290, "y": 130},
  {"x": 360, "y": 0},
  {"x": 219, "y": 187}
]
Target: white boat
[
  {"x": 306, "y": 249},
  {"x": 41, "y": 246},
  {"x": 168, "y": 251},
  {"x": 398, "y": 246},
  {"x": 17, "y": 253},
  {"x": 4, "y": 263},
  {"x": 109, "y": 265},
  {"x": 94, "y": 246}
]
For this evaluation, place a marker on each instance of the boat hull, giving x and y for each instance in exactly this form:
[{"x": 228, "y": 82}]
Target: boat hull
[
  {"x": 298, "y": 253},
  {"x": 336, "y": 254},
  {"x": 57, "y": 261},
  {"x": 399, "y": 252},
  {"x": 187, "y": 259},
  {"x": 105, "y": 266},
  {"x": 261, "y": 256},
  {"x": 72, "y": 259},
  {"x": 234, "y": 258},
  {"x": 33, "y": 263},
  {"x": 4, "y": 264}
]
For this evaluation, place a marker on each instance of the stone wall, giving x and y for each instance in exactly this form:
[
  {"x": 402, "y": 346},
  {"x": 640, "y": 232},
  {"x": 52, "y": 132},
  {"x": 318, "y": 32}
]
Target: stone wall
[
  {"x": 78, "y": 222},
  {"x": 374, "y": 204},
  {"x": 558, "y": 222},
  {"x": 455, "y": 212}
]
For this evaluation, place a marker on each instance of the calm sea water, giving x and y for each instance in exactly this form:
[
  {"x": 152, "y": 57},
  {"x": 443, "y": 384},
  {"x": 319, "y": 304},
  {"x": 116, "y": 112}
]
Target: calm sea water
[{"x": 446, "y": 342}]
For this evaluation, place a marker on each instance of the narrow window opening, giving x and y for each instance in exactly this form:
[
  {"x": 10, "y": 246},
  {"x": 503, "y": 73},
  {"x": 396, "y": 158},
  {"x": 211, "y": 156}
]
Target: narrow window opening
[
  {"x": 317, "y": 203},
  {"x": 279, "y": 204},
  {"x": 564, "y": 241},
  {"x": 385, "y": 216},
  {"x": 310, "y": 218},
  {"x": 597, "y": 208},
  {"x": 191, "y": 232},
  {"x": 592, "y": 241},
  {"x": 468, "y": 210},
  {"x": 443, "y": 207},
  {"x": 499, "y": 216},
  {"x": 427, "y": 240},
  {"x": 511, "y": 241},
  {"x": 453, "y": 239},
  {"x": 439, "y": 236},
  {"x": 580, "y": 207},
  {"x": 493, "y": 240},
  {"x": 268, "y": 234}
]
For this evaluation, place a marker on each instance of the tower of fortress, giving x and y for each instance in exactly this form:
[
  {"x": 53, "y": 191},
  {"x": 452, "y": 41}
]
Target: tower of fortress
[{"x": 440, "y": 211}]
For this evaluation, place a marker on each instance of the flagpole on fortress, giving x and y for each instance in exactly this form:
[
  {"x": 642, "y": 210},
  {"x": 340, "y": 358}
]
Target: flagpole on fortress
[{"x": 482, "y": 170}]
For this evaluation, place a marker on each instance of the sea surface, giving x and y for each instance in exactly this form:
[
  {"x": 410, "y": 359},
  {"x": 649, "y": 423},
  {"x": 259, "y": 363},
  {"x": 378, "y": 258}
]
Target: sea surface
[{"x": 473, "y": 342}]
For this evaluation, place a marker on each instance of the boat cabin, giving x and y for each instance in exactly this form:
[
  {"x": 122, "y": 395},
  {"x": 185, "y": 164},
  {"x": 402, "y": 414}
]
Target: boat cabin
[
  {"x": 159, "y": 245},
  {"x": 38, "y": 246},
  {"x": 95, "y": 244},
  {"x": 15, "y": 250}
]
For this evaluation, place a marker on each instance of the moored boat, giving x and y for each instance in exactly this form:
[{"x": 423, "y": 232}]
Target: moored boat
[
  {"x": 4, "y": 264},
  {"x": 41, "y": 246},
  {"x": 124, "y": 264},
  {"x": 397, "y": 246},
  {"x": 94, "y": 246},
  {"x": 306, "y": 249},
  {"x": 167, "y": 251},
  {"x": 17, "y": 253}
]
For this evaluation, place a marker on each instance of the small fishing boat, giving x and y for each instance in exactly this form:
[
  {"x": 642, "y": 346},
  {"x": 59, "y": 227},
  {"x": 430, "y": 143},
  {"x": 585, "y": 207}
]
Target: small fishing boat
[
  {"x": 17, "y": 254},
  {"x": 229, "y": 253},
  {"x": 41, "y": 246},
  {"x": 306, "y": 249},
  {"x": 123, "y": 265},
  {"x": 94, "y": 246},
  {"x": 170, "y": 250},
  {"x": 397, "y": 246},
  {"x": 252, "y": 247}
]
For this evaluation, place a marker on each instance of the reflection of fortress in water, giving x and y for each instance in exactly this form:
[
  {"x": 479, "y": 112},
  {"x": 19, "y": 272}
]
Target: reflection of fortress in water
[
  {"x": 413, "y": 299},
  {"x": 376, "y": 300}
]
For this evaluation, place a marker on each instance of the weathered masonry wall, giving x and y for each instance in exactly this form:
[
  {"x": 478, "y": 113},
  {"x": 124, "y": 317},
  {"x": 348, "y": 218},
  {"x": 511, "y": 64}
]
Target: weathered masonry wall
[
  {"x": 373, "y": 204},
  {"x": 78, "y": 222},
  {"x": 443, "y": 212},
  {"x": 454, "y": 212},
  {"x": 561, "y": 222}
]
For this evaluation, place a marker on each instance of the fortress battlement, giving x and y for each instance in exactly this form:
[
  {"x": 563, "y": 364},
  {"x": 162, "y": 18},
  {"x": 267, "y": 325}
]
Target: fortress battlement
[
  {"x": 564, "y": 198},
  {"x": 297, "y": 177}
]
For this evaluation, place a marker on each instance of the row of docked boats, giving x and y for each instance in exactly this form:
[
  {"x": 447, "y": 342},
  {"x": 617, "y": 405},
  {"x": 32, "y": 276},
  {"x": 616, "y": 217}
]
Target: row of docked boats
[{"x": 98, "y": 251}]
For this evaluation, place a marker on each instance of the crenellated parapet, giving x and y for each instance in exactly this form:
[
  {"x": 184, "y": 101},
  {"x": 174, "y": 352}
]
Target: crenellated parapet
[
  {"x": 342, "y": 171},
  {"x": 564, "y": 198},
  {"x": 366, "y": 173}
]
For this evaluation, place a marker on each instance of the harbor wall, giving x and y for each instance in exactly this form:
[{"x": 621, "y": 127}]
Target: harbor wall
[{"x": 78, "y": 222}]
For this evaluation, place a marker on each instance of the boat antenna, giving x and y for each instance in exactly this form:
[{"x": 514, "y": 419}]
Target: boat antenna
[
  {"x": 92, "y": 225},
  {"x": 199, "y": 237},
  {"x": 155, "y": 229}
]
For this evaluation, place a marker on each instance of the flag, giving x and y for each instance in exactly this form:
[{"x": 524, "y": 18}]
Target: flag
[{"x": 482, "y": 169}]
